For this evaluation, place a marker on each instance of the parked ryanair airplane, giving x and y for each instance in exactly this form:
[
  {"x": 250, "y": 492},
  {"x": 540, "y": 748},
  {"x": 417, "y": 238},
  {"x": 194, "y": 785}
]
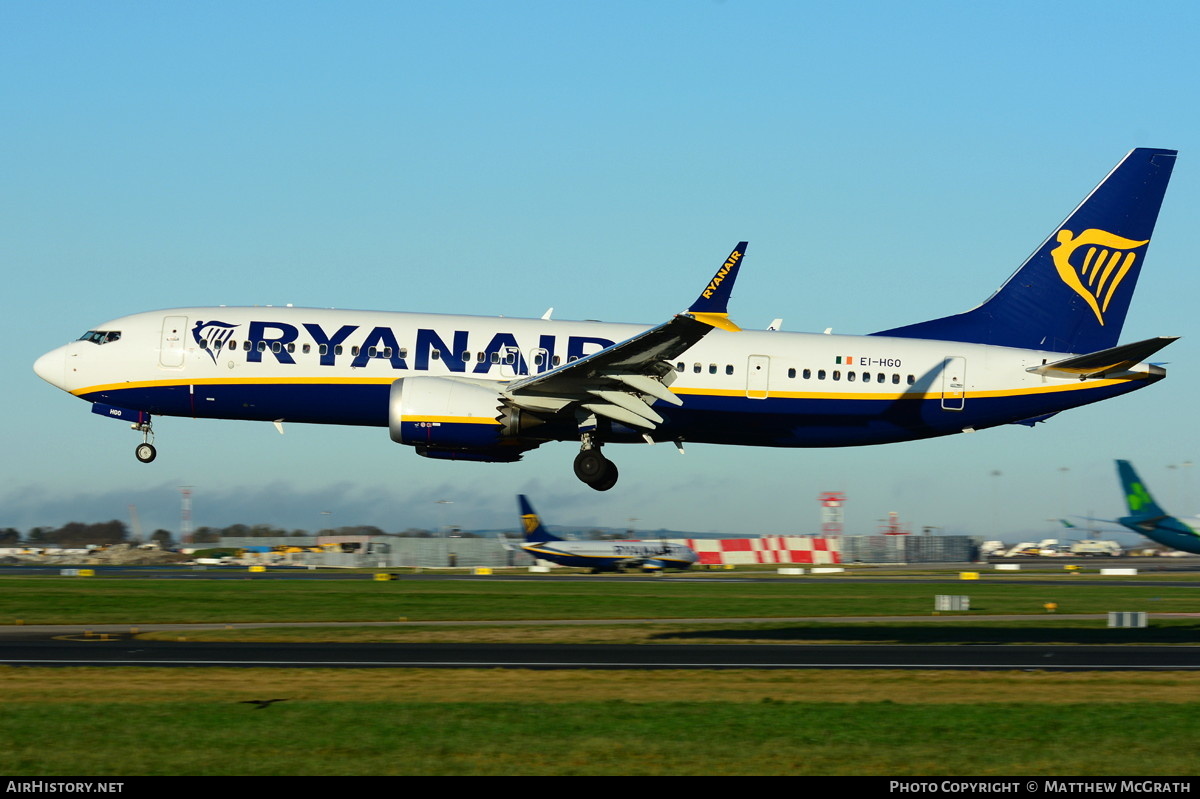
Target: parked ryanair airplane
[
  {"x": 1148, "y": 519},
  {"x": 491, "y": 389},
  {"x": 600, "y": 556}
]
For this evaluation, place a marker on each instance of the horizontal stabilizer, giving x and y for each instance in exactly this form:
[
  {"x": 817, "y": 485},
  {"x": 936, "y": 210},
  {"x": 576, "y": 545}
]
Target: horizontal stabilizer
[{"x": 1105, "y": 362}]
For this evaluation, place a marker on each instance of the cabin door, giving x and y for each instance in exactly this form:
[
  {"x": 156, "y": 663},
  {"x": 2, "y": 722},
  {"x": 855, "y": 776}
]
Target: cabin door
[
  {"x": 170, "y": 351},
  {"x": 758, "y": 373},
  {"x": 954, "y": 383}
]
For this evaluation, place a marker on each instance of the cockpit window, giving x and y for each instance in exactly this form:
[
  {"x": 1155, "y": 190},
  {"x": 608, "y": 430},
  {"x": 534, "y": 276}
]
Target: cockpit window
[{"x": 100, "y": 336}]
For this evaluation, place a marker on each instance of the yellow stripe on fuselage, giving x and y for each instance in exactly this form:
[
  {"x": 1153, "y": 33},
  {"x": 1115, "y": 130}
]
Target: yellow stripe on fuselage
[
  {"x": 240, "y": 381},
  {"x": 971, "y": 393},
  {"x": 700, "y": 392}
]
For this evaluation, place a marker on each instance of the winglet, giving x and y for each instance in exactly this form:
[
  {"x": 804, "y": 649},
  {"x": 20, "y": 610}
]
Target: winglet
[
  {"x": 711, "y": 307},
  {"x": 531, "y": 525}
]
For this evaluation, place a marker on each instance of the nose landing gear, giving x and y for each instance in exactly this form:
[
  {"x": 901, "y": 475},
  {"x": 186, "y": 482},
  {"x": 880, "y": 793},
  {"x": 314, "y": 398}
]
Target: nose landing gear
[{"x": 145, "y": 451}]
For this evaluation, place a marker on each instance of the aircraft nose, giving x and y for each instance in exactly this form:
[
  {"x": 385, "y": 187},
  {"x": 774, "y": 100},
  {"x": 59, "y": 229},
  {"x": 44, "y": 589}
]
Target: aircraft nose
[{"x": 52, "y": 367}]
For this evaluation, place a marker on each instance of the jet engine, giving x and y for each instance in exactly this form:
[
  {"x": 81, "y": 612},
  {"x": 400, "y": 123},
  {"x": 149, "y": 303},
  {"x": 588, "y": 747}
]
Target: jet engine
[{"x": 457, "y": 418}]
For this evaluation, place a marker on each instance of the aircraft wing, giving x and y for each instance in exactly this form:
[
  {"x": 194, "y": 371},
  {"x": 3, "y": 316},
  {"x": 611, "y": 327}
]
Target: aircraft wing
[{"x": 620, "y": 382}]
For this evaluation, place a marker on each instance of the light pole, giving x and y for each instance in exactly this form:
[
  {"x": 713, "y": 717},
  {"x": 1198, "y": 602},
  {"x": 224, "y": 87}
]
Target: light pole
[{"x": 442, "y": 515}]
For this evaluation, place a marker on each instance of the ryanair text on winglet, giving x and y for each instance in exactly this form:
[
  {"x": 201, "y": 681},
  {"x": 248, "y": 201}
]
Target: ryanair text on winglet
[{"x": 721, "y": 273}]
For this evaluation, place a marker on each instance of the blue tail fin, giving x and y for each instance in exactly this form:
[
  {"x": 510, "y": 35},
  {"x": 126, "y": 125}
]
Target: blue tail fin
[
  {"x": 531, "y": 525},
  {"x": 1141, "y": 505},
  {"x": 1073, "y": 292}
]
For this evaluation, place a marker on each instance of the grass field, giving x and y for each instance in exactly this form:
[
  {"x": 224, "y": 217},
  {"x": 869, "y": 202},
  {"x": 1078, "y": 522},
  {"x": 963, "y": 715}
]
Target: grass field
[
  {"x": 148, "y": 721},
  {"x": 50, "y": 600},
  {"x": 110, "y": 722}
]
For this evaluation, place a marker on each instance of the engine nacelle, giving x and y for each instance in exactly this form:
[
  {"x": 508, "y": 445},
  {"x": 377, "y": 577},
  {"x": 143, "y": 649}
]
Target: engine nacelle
[{"x": 455, "y": 418}]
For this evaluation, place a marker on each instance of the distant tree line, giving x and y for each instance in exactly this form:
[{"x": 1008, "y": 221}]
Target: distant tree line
[
  {"x": 77, "y": 534},
  {"x": 212, "y": 535},
  {"x": 80, "y": 534}
]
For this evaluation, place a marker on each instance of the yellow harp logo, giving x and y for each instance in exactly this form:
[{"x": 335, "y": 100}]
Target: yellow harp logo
[
  {"x": 530, "y": 522},
  {"x": 1093, "y": 264}
]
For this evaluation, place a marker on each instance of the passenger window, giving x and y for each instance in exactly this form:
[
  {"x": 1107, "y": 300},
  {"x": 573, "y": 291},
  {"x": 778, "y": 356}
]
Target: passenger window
[
  {"x": 850, "y": 376},
  {"x": 679, "y": 366},
  {"x": 807, "y": 374},
  {"x": 820, "y": 374},
  {"x": 837, "y": 375},
  {"x": 911, "y": 380},
  {"x": 712, "y": 368},
  {"x": 728, "y": 369},
  {"x": 896, "y": 379},
  {"x": 791, "y": 372},
  {"x": 697, "y": 368},
  {"x": 306, "y": 349}
]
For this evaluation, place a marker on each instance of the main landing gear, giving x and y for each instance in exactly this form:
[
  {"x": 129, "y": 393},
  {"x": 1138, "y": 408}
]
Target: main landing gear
[
  {"x": 593, "y": 468},
  {"x": 145, "y": 451}
]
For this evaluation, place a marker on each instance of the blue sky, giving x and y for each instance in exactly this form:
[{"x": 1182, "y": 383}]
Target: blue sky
[{"x": 888, "y": 162}]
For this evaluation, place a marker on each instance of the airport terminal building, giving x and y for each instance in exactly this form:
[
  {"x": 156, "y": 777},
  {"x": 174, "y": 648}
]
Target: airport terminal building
[{"x": 396, "y": 551}]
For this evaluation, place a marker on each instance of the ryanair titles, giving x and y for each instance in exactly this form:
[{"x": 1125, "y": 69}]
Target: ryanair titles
[
  {"x": 410, "y": 349},
  {"x": 719, "y": 277}
]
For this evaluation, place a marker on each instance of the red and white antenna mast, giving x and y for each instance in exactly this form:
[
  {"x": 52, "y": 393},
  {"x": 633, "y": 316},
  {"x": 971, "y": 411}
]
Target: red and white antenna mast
[
  {"x": 892, "y": 525},
  {"x": 832, "y": 514}
]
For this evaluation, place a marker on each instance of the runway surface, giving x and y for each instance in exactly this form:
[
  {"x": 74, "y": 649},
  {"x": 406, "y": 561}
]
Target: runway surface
[
  {"x": 117, "y": 645},
  {"x": 75, "y": 646}
]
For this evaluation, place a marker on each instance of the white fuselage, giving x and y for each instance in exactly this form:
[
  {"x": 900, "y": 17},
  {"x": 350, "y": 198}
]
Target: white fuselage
[{"x": 765, "y": 388}]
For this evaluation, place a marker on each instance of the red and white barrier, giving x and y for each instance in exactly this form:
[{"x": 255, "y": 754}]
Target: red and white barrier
[{"x": 766, "y": 550}]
